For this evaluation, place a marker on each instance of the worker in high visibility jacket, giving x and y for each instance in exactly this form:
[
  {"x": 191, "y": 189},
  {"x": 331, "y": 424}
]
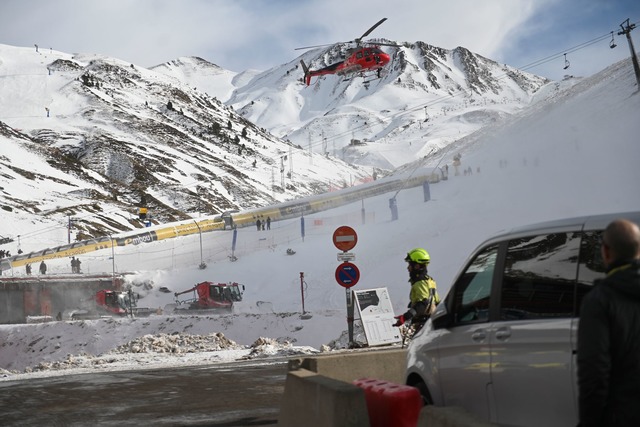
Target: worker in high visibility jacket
[{"x": 423, "y": 296}]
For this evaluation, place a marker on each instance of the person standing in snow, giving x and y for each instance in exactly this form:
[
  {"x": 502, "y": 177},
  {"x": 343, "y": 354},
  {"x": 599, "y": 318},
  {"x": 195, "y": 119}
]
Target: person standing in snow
[
  {"x": 258, "y": 224},
  {"x": 609, "y": 334},
  {"x": 268, "y": 223},
  {"x": 43, "y": 268},
  {"x": 423, "y": 296}
]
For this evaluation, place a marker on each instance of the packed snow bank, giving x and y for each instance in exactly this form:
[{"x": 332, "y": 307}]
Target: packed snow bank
[{"x": 161, "y": 340}]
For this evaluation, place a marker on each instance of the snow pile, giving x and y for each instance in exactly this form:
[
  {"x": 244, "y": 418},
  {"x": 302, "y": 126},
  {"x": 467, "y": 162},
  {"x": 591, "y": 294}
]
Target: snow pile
[
  {"x": 176, "y": 343},
  {"x": 43, "y": 349},
  {"x": 342, "y": 342},
  {"x": 163, "y": 350},
  {"x": 269, "y": 347}
]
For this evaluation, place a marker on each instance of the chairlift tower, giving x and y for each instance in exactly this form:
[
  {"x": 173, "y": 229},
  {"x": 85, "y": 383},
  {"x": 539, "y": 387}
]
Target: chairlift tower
[{"x": 626, "y": 30}]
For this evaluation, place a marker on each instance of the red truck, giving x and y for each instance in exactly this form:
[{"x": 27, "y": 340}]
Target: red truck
[
  {"x": 108, "y": 303},
  {"x": 209, "y": 296}
]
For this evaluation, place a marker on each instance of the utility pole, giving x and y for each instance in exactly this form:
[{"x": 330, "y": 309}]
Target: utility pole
[
  {"x": 291, "y": 163},
  {"x": 113, "y": 262},
  {"x": 627, "y": 32},
  {"x": 202, "y": 265},
  {"x": 273, "y": 182},
  {"x": 71, "y": 221},
  {"x": 324, "y": 144}
]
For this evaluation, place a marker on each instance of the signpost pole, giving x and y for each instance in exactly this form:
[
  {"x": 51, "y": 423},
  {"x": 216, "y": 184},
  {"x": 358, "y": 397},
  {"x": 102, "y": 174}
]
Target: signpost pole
[
  {"x": 233, "y": 244},
  {"x": 347, "y": 274},
  {"x": 302, "y": 289},
  {"x": 350, "y": 316}
]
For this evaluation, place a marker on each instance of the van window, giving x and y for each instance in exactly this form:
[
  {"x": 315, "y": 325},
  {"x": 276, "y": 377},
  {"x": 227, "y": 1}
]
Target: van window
[
  {"x": 591, "y": 266},
  {"x": 539, "y": 277},
  {"x": 473, "y": 289}
]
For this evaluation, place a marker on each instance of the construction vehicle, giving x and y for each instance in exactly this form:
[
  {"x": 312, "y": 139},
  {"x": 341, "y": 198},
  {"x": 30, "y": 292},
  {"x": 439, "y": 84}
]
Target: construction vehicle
[
  {"x": 108, "y": 303},
  {"x": 209, "y": 297}
]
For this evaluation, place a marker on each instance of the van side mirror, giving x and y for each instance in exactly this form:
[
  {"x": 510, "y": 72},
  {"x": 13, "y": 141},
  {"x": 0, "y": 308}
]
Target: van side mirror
[{"x": 441, "y": 318}]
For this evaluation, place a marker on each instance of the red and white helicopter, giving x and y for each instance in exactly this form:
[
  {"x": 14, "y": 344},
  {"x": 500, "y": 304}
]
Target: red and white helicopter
[{"x": 364, "y": 57}]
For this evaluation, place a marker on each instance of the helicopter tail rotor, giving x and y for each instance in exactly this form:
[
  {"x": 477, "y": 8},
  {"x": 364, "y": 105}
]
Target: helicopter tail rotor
[{"x": 307, "y": 73}]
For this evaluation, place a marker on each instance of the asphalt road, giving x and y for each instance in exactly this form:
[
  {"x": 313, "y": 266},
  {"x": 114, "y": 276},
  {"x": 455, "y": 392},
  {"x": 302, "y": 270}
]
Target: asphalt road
[{"x": 224, "y": 395}]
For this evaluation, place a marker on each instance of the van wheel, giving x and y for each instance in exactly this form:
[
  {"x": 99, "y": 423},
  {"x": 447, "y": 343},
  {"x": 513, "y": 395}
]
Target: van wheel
[{"x": 424, "y": 392}]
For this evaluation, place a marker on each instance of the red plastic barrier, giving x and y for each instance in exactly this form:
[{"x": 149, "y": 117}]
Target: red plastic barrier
[{"x": 390, "y": 404}]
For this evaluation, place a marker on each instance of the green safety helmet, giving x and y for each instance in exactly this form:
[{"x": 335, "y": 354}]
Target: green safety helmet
[{"x": 419, "y": 256}]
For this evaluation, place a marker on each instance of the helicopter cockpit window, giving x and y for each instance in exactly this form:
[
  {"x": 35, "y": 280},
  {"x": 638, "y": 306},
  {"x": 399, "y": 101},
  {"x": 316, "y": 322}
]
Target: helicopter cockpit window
[
  {"x": 112, "y": 300},
  {"x": 359, "y": 55},
  {"x": 367, "y": 52}
]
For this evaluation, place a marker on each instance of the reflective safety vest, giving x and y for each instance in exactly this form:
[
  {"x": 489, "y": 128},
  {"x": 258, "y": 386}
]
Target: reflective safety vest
[{"x": 422, "y": 290}]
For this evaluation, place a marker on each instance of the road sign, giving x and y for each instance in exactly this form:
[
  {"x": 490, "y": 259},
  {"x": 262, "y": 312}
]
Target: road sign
[
  {"x": 346, "y": 256},
  {"x": 347, "y": 274},
  {"x": 345, "y": 238}
]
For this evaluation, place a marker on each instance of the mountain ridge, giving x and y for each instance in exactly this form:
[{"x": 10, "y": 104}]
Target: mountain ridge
[{"x": 122, "y": 136}]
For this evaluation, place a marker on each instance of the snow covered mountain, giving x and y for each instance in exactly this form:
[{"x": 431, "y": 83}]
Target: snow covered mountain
[
  {"x": 110, "y": 134},
  {"x": 189, "y": 138},
  {"x": 428, "y": 98}
]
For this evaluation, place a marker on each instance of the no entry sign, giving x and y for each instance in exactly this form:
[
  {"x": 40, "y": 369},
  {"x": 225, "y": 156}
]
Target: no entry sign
[
  {"x": 345, "y": 238},
  {"x": 347, "y": 274}
]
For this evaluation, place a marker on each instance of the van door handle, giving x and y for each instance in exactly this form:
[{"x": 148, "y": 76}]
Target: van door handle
[
  {"x": 503, "y": 333},
  {"x": 479, "y": 335}
]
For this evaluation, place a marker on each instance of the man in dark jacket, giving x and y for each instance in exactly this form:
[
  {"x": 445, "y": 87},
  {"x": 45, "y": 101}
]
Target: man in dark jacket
[{"x": 609, "y": 334}]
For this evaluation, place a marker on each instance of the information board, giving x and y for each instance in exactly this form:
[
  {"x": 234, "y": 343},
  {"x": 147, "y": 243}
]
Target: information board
[{"x": 376, "y": 313}]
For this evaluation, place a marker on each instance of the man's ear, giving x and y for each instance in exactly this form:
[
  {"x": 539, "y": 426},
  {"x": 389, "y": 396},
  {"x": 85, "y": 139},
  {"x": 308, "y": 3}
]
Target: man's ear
[{"x": 607, "y": 256}]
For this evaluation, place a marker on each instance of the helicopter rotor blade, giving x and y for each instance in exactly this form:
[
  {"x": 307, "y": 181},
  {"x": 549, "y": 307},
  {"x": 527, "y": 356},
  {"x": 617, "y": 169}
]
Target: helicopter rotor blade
[
  {"x": 366, "y": 33},
  {"x": 311, "y": 47},
  {"x": 357, "y": 41},
  {"x": 388, "y": 44}
]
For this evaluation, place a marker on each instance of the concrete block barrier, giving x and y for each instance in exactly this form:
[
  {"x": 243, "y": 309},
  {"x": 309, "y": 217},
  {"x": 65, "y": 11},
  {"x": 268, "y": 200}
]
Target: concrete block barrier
[
  {"x": 389, "y": 365},
  {"x": 321, "y": 391},
  {"x": 314, "y": 400}
]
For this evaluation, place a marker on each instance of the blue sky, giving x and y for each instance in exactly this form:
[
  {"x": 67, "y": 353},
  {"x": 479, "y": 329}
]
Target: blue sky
[{"x": 245, "y": 34}]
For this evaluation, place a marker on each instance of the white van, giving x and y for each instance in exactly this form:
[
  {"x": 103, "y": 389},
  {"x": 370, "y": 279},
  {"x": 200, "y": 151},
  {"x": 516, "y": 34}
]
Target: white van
[{"x": 502, "y": 344}]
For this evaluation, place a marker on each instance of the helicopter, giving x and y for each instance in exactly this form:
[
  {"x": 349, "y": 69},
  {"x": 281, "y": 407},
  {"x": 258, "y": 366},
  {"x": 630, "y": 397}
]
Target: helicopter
[{"x": 361, "y": 59}]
